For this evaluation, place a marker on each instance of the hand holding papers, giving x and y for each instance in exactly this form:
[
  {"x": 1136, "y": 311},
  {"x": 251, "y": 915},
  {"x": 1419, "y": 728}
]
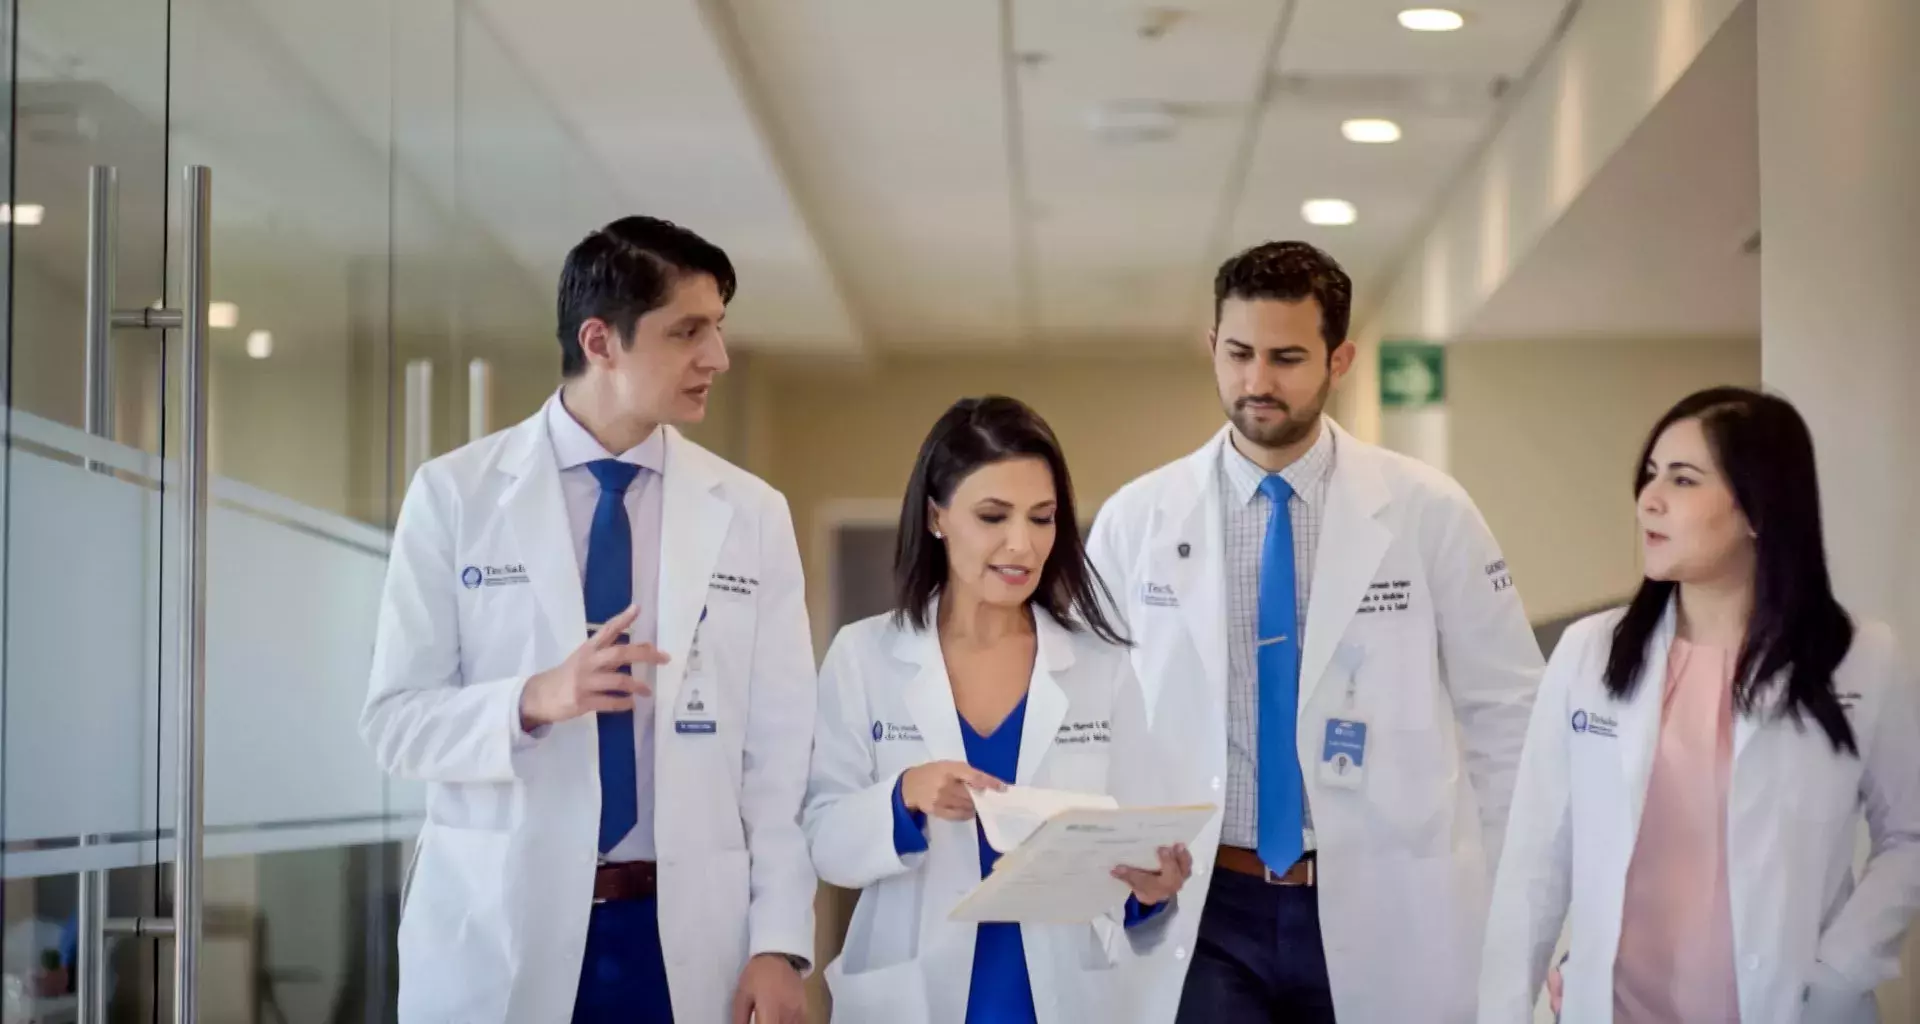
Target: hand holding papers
[{"x": 1059, "y": 850}]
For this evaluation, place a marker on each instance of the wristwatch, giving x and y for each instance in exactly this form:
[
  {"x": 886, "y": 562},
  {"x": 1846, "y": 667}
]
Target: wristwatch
[{"x": 800, "y": 964}]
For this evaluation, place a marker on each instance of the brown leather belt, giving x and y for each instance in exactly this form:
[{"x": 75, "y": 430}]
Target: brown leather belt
[
  {"x": 1246, "y": 862},
  {"x": 633, "y": 880}
]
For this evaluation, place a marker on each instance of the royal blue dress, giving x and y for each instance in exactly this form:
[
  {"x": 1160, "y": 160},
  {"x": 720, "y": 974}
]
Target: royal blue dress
[{"x": 999, "y": 992}]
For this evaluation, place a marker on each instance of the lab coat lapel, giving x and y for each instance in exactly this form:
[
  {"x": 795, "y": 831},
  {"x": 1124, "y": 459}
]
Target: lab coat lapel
[
  {"x": 929, "y": 694},
  {"x": 1640, "y": 717},
  {"x": 694, "y": 521},
  {"x": 537, "y": 516},
  {"x": 1352, "y": 543},
  {"x": 1046, "y": 701},
  {"x": 1188, "y": 555}
]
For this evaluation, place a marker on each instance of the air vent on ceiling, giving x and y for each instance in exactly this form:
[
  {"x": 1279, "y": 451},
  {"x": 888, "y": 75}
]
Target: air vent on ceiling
[{"x": 1128, "y": 121}]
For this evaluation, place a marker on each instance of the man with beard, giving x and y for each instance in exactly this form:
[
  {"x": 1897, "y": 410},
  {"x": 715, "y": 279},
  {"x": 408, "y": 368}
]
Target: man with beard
[{"x": 1332, "y": 649}]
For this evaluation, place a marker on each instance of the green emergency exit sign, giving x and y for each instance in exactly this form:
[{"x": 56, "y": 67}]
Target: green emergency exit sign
[{"x": 1413, "y": 374}]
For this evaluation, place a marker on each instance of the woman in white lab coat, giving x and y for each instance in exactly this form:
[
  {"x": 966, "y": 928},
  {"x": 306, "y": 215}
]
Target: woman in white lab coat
[
  {"x": 996, "y": 666},
  {"x": 1697, "y": 763}
]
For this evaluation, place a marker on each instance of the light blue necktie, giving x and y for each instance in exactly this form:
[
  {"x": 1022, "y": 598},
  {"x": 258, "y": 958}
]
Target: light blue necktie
[
  {"x": 1277, "y": 658},
  {"x": 609, "y": 591}
]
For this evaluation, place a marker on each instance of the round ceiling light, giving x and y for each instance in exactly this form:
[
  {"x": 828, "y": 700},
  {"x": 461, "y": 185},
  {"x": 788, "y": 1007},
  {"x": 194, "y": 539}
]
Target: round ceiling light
[
  {"x": 1329, "y": 212},
  {"x": 1431, "y": 19},
  {"x": 1370, "y": 130}
]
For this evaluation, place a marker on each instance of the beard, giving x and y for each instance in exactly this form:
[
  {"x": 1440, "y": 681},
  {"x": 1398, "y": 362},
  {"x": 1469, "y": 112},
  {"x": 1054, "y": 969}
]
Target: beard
[{"x": 1294, "y": 428}]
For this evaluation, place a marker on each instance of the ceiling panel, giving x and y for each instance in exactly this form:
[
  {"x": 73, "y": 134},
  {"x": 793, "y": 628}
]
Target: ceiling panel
[
  {"x": 651, "y": 120},
  {"x": 1121, "y": 222},
  {"x": 893, "y": 120}
]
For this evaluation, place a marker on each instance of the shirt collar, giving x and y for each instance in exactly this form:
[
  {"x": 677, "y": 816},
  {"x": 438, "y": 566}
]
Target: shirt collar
[
  {"x": 574, "y": 446},
  {"x": 1306, "y": 474}
]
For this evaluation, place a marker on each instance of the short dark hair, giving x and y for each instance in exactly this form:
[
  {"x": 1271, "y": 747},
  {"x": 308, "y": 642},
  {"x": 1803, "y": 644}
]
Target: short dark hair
[
  {"x": 1797, "y": 627},
  {"x": 976, "y": 432},
  {"x": 1289, "y": 272},
  {"x": 626, "y": 270}
]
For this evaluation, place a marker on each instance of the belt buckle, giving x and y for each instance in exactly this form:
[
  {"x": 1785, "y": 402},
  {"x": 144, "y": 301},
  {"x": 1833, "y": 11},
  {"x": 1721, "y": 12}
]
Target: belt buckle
[
  {"x": 1281, "y": 879},
  {"x": 598, "y": 864}
]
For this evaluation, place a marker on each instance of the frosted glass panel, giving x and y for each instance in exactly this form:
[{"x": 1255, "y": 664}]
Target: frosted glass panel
[{"x": 292, "y": 599}]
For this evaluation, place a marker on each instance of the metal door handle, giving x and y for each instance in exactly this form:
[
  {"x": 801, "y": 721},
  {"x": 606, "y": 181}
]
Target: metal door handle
[{"x": 190, "y": 318}]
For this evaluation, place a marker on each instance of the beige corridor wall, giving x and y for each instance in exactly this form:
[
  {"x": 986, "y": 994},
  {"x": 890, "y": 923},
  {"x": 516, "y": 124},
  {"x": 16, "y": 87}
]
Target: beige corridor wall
[
  {"x": 828, "y": 437},
  {"x": 1544, "y": 436}
]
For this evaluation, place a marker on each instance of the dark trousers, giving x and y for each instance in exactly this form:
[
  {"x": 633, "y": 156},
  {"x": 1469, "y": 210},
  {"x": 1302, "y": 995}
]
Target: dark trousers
[
  {"x": 624, "y": 976},
  {"x": 1259, "y": 956}
]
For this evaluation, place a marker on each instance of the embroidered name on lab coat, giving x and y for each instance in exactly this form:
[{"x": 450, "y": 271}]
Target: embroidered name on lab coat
[
  {"x": 1502, "y": 579},
  {"x": 1387, "y": 596},
  {"x": 1158, "y": 595},
  {"x": 1090, "y": 731},
  {"x": 745, "y": 586}
]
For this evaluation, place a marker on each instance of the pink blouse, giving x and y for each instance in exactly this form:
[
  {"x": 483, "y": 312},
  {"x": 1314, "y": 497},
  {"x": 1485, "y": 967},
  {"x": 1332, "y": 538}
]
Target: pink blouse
[{"x": 1676, "y": 961}]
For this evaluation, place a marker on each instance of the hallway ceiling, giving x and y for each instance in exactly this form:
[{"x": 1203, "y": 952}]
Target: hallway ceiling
[{"x": 928, "y": 176}]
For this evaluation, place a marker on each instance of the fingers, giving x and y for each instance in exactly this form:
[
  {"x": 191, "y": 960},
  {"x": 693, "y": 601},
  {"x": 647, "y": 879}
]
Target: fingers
[
  {"x": 743, "y": 1006},
  {"x": 617, "y": 684},
  {"x": 619, "y": 656},
  {"x": 614, "y": 629},
  {"x": 978, "y": 779},
  {"x": 594, "y": 703}
]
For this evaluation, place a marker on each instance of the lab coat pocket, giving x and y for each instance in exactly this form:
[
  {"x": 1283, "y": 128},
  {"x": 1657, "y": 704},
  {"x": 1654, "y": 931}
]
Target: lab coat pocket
[
  {"x": 896, "y": 994},
  {"x": 1410, "y": 789},
  {"x": 1828, "y": 999}
]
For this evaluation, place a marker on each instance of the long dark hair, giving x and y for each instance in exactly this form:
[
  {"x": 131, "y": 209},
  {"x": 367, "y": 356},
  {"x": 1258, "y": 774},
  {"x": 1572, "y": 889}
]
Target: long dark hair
[
  {"x": 1765, "y": 451},
  {"x": 973, "y": 433}
]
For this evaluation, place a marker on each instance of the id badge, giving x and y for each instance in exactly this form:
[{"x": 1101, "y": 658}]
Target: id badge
[
  {"x": 692, "y": 716},
  {"x": 1343, "y": 757}
]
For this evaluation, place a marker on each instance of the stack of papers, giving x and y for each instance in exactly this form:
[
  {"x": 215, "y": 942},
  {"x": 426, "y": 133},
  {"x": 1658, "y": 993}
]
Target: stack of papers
[{"x": 1058, "y": 850}]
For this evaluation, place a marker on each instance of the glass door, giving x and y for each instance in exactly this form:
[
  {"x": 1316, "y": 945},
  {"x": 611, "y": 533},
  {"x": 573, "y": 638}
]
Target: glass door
[
  {"x": 198, "y": 483},
  {"x": 92, "y": 514}
]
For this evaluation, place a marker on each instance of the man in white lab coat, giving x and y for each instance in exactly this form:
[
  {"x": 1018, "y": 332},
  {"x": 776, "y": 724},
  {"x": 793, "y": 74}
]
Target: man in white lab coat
[
  {"x": 594, "y": 648},
  {"x": 1332, "y": 648}
]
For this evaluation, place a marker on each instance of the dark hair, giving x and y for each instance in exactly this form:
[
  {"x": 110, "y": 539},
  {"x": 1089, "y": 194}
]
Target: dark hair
[
  {"x": 1289, "y": 272},
  {"x": 626, "y": 270},
  {"x": 976, "y": 432},
  {"x": 1765, "y": 451}
]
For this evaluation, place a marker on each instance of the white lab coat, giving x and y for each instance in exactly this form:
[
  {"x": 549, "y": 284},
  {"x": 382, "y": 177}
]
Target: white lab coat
[
  {"x": 1412, "y": 626},
  {"x": 886, "y": 705},
  {"x": 1809, "y": 945},
  {"x": 495, "y": 917}
]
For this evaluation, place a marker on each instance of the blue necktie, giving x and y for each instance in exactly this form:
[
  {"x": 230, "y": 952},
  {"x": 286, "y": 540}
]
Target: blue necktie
[
  {"x": 1277, "y": 658},
  {"x": 609, "y": 591}
]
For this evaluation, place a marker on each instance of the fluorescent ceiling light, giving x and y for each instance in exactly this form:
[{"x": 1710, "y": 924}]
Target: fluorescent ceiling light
[
  {"x": 223, "y": 315},
  {"x": 26, "y": 214},
  {"x": 1431, "y": 19},
  {"x": 1370, "y": 130},
  {"x": 1329, "y": 212},
  {"x": 260, "y": 344}
]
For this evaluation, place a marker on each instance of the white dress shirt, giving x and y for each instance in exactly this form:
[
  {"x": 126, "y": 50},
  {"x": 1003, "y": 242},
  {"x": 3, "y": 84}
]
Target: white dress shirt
[
  {"x": 573, "y": 448},
  {"x": 1247, "y": 513}
]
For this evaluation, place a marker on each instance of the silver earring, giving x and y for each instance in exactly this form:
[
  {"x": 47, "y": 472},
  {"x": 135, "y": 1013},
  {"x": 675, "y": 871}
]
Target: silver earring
[{"x": 937, "y": 535}]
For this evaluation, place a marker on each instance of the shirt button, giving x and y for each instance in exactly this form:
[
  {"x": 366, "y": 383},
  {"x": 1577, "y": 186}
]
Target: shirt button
[
  {"x": 1753, "y": 963},
  {"x": 1216, "y": 783},
  {"x": 1180, "y": 953}
]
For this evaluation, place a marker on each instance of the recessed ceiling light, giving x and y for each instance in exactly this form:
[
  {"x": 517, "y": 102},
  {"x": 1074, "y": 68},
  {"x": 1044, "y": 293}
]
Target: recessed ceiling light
[
  {"x": 26, "y": 214},
  {"x": 1329, "y": 212},
  {"x": 1370, "y": 130},
  {"x": 1431, "y": 19},
  {"x": 260, "y": 344},
  {"x": 224, "y": 315}
]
